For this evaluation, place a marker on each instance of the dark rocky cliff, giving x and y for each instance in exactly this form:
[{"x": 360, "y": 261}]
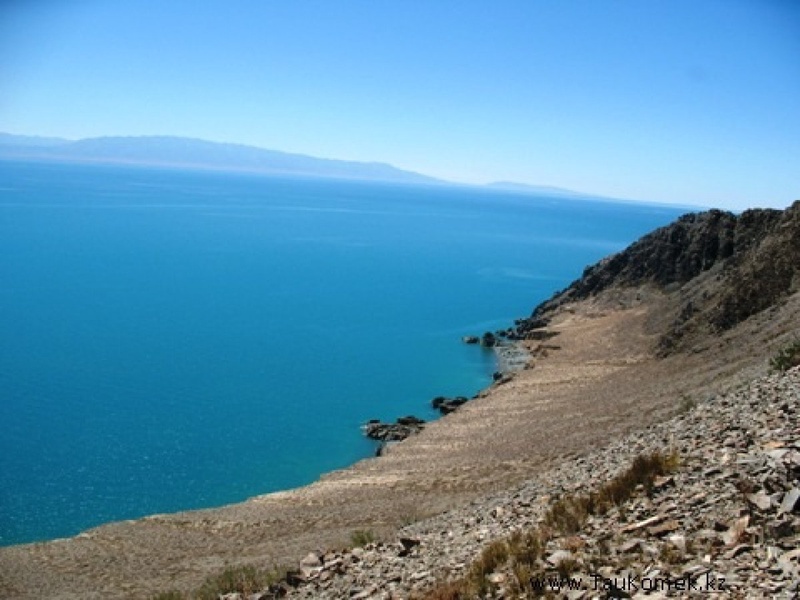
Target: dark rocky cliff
[{"x": 719, "y": 268}]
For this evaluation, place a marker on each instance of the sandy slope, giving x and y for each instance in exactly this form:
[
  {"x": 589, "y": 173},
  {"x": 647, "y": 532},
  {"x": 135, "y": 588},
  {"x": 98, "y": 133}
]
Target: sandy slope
[{"x": 602, "y": 381}]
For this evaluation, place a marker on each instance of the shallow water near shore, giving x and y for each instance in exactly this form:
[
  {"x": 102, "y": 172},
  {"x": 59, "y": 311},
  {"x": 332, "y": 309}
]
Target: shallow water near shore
[{"x": 177, "y": 339}]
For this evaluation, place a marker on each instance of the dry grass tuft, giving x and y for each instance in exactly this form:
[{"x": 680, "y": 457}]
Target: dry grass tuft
[
  {"x": 521, "y": 554},
  {"x": 245, "y": 580},
  {"x": 361, "y": 537},
  {"x": 447, "y": 591}
]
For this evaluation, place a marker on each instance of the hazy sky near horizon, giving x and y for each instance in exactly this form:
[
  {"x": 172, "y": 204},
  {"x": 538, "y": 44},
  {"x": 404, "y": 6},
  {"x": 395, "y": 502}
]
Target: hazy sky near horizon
[{"x": 690, "y": 102}]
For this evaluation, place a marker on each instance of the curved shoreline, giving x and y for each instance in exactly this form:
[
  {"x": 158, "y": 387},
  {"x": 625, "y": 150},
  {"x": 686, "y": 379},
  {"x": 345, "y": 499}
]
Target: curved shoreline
[
  {"x": 422, "y": 406},
  {"x": 512, "y": 357},
  {"x": 603, "y": 382}
]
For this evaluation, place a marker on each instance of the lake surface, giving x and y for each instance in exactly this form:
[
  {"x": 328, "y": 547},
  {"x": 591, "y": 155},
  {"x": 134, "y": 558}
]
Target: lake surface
[{"x": 181, "y": 339}]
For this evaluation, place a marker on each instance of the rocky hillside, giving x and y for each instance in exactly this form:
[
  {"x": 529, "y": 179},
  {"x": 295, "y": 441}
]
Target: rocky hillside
[
  {"x": 720, "y": 269},
  {"x": 717, "y": 515}
]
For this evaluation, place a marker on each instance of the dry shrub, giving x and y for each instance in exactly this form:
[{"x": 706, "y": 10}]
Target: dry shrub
[
  {"x": 521, "y": 552},
  {"x": 451, "y": 590},
  {"x": 569, "y": 514},
  {"x": 243, "y": 579},
  {"x": 526, "y": 548},
  {"x": 787, "y": 357}
]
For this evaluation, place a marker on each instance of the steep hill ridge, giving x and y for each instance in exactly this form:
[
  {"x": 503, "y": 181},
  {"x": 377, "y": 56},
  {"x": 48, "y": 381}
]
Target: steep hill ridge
[{"x": 719, "y": 268}]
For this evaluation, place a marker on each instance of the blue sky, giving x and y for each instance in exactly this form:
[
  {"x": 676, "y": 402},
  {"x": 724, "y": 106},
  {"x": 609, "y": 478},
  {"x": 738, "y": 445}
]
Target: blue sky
[{"x": 691, "y": 102}]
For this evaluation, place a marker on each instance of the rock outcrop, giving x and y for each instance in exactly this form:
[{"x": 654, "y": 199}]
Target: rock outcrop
[
  {"x": 720, "y": 269},
  {"x": 393, "y": 432},
  {"x": 448, "y": 405}
]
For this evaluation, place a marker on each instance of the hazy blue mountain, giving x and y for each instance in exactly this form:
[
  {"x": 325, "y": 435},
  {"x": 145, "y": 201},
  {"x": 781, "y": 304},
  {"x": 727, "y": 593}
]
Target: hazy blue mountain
[
  {"x": 546, "y": 190},
  {"x": 28, "y": 141},
  {"x": 187, "y": 152}
]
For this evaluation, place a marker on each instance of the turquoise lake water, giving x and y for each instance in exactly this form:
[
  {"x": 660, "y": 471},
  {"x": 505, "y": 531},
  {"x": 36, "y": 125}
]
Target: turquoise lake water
[{"x": 175, "y": 339}]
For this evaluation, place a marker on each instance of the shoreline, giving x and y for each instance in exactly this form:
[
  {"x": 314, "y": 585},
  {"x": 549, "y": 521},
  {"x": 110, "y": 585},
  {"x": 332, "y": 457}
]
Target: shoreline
[
  {"x": 501, "y": 351},
  {"x": 602, "y": 383},
  {"x": 512, "y": 357}
]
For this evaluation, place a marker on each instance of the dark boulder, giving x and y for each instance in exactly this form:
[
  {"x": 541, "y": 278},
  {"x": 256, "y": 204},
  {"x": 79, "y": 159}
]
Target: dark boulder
[
  {"x": 393, "y": 432},
  {"x": 448, "y": 405},
  {"x": 488, "y": 340}
]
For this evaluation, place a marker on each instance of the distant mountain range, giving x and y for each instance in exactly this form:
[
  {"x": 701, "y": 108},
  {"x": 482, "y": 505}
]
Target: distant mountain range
[
  {"x": 194, "y": 153},
  {"x": 171, "y": 151},
  {"x": 543, "y": 190}
]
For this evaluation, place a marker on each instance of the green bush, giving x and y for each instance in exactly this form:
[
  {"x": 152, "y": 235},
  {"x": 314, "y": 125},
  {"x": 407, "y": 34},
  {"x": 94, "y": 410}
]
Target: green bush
[
  {"x": 243, "y": 579},
  {"x": 787, "y": 358},
  {"x": 361, "y": 537}
]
